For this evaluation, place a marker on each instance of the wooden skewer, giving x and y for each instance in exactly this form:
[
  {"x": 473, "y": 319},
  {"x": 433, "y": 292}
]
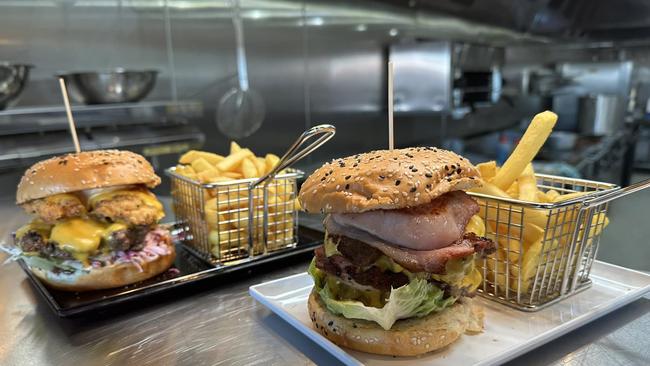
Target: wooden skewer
[
  {"x": 391, "y": 141},
  {"x": 68, "y": 111}
]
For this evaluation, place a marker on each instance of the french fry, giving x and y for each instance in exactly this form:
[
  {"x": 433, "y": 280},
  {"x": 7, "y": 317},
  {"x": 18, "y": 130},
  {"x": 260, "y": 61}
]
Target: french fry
[
  {"x": 260, "y": 164},
  {"x": 234, "y": 147},
  {"x": 531, "y": 232},
  {"x": 552, "y": 194},
  {"x": 248, "y": 168},
  {"x": 513, "y": 190},
  {"x": 186, "y": 171},
  {"x": 233, "y": 175},
  {"x": 240, "y": 219},
  {"x": 496, "y": 271},
  {"x": 541, "y": 197},
  {"x": 528, "y": 188},
  {"x": 188, "y": 157},
  {"x": 192, "y": 155},
  {"x": 207, "y": 176},
  {"x": 233, "y": 161},
  {"x": 487, "y": 169},
  {"x": 569, "y": 196},
  {"x": 537, "y": 217},
  {"x": 271, "y": 161},
  {"x": 200, "y": 165},
  {"x": 533, "y": 139}
]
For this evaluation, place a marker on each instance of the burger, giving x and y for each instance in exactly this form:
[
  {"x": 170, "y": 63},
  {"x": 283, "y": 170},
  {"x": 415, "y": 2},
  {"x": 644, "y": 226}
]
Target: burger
[
  {"x": 95, "y": 222},
  {"x": 395, "y": 275}
]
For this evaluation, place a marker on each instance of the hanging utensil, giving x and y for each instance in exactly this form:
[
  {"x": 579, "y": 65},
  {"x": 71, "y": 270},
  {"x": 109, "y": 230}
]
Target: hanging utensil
[{"x": 241, "y": 110}]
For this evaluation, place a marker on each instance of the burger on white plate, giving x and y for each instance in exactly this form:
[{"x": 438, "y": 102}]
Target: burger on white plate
[
  {"x": 95, "y": 222},
  {"x": 396, "y": 274}
]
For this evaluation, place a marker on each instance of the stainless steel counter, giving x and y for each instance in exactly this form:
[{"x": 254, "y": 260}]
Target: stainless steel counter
[{"x": 223, "y": 325}]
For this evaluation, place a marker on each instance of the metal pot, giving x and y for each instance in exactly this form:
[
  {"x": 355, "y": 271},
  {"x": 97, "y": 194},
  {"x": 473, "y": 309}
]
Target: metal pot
[{"x": 599, "y": 115}]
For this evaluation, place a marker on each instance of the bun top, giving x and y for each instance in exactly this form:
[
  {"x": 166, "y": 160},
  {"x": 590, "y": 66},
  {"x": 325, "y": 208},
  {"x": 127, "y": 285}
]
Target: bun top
[
  {"x": 386, "y": 179},
  {"x": 85, "y": 170}
]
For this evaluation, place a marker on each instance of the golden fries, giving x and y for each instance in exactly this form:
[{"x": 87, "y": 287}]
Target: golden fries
[
  {"x": 536, "y": 134},
  {"x": 488, "y": 170},
  {"x": 528, "y": 188},
  {"x": 227, "y": 206},
  {"x": 271, "y": 161},
  {"x": 248, "y": 168},
  {"x": 524, "y": 246}
]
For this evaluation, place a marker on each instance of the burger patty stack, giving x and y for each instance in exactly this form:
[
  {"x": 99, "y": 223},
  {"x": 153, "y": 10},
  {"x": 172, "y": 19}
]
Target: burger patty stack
[
  {"x": 396, "y": 272},
  {"x": 95, "y": 222}
]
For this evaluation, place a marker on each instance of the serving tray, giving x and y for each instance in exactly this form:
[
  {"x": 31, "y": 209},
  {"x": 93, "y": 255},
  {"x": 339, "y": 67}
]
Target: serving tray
[
  {"x": 508, "y": 332},
  {"x": 188, "y": 268}
]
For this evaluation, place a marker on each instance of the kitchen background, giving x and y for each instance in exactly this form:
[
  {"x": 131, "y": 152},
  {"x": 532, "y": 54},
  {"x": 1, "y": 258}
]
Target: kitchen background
[{"x": 468, "y": 75}]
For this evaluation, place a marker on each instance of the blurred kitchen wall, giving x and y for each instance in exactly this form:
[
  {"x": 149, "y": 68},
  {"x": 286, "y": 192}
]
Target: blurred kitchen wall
[{"x": 312, "y": 61}]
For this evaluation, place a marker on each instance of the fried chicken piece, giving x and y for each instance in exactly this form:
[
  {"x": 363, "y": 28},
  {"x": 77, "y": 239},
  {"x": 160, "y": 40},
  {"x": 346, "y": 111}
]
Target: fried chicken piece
[
  {"x": 57, "y": 207},
  {"x": 129, "y": 208}
]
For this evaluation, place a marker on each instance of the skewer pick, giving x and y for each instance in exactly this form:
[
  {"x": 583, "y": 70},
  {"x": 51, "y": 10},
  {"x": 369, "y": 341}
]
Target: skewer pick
[
  {"x": 391, "y": 142},
  {"x": 68, "y": 111}
]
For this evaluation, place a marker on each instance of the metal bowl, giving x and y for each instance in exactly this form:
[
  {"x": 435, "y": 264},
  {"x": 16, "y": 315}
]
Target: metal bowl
[
  {"x": 13, "y": 78},
  {"x": 117, "y": 86}
]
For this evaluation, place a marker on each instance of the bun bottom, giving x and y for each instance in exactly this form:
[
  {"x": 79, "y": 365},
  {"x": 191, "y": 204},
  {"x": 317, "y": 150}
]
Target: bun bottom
[
  {"x": 407, "y": 337},
  {"x": 116, "y": 275}
]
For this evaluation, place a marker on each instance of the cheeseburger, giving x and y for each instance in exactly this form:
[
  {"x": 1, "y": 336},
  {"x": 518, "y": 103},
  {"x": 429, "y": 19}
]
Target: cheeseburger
[
  {"x": 95, "y": 222},
  {"x": 395, "y": 274}
]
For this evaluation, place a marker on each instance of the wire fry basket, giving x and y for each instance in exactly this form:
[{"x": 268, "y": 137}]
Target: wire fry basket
[
  {"x": 244, "y": 219},
  {"x": 544, "y": 250}
]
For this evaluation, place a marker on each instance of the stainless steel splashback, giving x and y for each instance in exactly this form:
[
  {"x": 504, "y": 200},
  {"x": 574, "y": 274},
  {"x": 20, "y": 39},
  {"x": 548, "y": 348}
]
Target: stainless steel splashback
[{"x": 312, "y": 61}]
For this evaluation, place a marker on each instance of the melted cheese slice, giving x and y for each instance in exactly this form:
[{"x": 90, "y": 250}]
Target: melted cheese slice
[{"x": 78, "y": 235}]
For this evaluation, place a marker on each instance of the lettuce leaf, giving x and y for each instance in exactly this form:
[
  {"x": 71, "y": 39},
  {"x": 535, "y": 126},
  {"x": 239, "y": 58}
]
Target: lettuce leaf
[
  {"x": 32, "y": 259},
  {"x": 418, "y": 298}
]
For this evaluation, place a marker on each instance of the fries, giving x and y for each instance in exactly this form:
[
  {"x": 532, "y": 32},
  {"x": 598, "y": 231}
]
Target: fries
[
  {"x": 528, "y": 237},
  {"x": 226, "y": 209},
  {"x": 536, "y": 134}
]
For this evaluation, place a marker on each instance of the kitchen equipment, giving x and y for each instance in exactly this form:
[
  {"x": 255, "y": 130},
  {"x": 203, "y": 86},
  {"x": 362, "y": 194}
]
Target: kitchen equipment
[
  {"x": 508, "y": 333},
  {"x": 261, "y": 212},
  {"x": 13, "y": 78},
  {"x": 566, "y": 252},
  {"x": 599, "y": 115},
  {"x": 241, "y": 110},
  {"x": 444, "y": 76},
  {"x": 116, "y": 86}
]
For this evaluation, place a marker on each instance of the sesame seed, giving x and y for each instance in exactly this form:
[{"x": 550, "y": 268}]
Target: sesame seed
[
  {"x": 413, "y": 189},
  {"x": 348, "y": 177},
  {"x": 397, "y": 182}
]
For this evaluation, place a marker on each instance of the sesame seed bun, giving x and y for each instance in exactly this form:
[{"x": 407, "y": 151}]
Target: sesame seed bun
[
  {"x": 407, "y": 337},
  {"x": 85, "y": 170},
  {"x": 386, "y": 179}
]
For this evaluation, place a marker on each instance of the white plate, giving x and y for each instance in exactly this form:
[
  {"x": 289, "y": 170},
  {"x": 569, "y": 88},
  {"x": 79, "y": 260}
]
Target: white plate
[{"x": 508, "y": 332}]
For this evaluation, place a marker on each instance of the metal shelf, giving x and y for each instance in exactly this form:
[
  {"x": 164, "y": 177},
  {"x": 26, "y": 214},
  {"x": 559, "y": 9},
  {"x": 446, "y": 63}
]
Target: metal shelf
[{"x": 53, "y": 118}]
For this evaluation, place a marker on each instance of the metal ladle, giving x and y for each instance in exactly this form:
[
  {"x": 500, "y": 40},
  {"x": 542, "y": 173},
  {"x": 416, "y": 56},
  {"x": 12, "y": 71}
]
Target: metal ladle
[{"x": 241, "y": 110}]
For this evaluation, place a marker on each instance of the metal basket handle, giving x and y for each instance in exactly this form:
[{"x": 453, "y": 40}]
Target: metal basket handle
[
  {"x": 293, "y": 155},
  {"x": 607, "y": 197},
  {"x": 323, "y": 134}
]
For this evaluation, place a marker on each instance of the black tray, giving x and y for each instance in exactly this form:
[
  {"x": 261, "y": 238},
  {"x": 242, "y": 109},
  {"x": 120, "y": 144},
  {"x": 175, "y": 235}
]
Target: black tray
[{"x": 188, "y": 269}]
